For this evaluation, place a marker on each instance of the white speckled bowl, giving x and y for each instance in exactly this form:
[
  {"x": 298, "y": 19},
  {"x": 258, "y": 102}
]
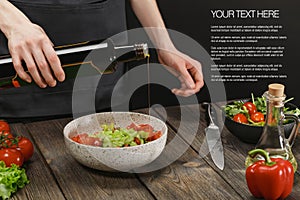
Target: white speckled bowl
[{"x": 114, "y": 159}]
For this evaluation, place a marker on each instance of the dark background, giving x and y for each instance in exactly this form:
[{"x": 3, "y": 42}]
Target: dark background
[{"x": 193, "y": 18}]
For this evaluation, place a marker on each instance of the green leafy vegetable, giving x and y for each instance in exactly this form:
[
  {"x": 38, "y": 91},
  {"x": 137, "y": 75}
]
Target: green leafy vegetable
[
  {"x": 118, "y": 137},
  {"x": 11, "y": 178},
  {"x": 261, "y": 106}
]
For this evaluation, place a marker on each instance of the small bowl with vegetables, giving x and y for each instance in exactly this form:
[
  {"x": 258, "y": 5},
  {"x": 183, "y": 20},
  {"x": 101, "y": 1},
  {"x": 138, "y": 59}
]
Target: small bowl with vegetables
[
  {"x": 115, "y": 141},
  {"x": 245, "y": 118}
]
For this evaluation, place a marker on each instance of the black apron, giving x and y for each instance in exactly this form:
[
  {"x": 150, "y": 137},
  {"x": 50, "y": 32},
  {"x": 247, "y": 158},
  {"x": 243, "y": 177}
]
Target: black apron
[{"x": 65, "y": 22}]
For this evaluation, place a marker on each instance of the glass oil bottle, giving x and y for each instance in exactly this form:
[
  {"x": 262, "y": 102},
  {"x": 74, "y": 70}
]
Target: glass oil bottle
[{"x": 273, "y": 138}]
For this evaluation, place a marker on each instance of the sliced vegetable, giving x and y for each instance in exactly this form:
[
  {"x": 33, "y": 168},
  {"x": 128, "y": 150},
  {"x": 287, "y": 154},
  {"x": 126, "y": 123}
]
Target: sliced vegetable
[
  {"x": 155, "y": 136},
  {"x": 84, "y": 138},
  {"x": 111, "y": 136}
]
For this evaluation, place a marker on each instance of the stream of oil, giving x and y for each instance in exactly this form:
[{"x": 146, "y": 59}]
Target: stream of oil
[{"x": 148, "y": 86}]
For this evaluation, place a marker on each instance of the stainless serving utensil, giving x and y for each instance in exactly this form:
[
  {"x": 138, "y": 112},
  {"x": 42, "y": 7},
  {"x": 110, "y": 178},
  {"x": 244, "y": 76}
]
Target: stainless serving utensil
[{"x": 213, "y": 138}]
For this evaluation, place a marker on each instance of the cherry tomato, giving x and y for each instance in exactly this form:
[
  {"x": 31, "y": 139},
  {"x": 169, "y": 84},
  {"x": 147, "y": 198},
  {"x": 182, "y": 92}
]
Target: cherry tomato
[
  {"x": 25, "y": 146},
  {"x": 241, "y": 118},
  {"x": 4, "y": 126},
  {"x": 6, "y": 139},
  {"x": 6, "y": 133},
  {"x": 250, "y": 107},
  {"x": 11, "y": 156},
  {"x": 257, "y": 117}
]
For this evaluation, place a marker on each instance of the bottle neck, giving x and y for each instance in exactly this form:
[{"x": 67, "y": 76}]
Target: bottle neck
[
  {"x": 130, "y": 53},
  {"x": 275, "y": 107},
  {"x": 274, "y": 113}
]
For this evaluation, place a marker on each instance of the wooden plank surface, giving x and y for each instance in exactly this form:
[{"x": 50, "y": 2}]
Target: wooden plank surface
[
  {"x": 235, "y": 151},
  {"x": 189, "y": 177},
  {"x": 42, "y": 184},
  {"x": 54, "y": 174},
  {"x": 75, "y": 180}
]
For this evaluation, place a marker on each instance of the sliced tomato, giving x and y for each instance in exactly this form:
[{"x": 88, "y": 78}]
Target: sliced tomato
[
  {"x": 145, "y": 127},
  {"x": 92, "y": 141},
  {"x": 133, "y": 126},
  {"x": 84, "y": 138},
  {"x": 137, "y": 141},
  {"x": 154, "y": 136},
  {"x": 79, "y": 138}
]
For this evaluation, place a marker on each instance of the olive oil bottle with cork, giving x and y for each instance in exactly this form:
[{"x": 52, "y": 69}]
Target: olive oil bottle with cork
[{"x": 273, "y": 139}]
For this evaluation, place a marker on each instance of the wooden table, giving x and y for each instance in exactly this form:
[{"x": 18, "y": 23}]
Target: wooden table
[{"x": 54, "y": 174}]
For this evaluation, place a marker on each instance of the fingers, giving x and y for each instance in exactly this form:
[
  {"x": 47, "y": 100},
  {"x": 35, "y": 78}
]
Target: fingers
[
  {"x": 198, "y": 78},
  {"x": 195, "y": 72},
  {"x": 32, "y": 69},
  {"x": 38, "y": 66},
  {"x": 186, "y": 76},
  {"x": 43, "y": 67},
  {"x": 32, "y": 45},
  {"x": 54, "y": 62},
  {"x": 183, "y": 92},
  {"x": 19, "y": 69}
]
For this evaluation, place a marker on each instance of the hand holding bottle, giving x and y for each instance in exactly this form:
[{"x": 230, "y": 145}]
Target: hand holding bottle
[{"x": 29, "y": 43}]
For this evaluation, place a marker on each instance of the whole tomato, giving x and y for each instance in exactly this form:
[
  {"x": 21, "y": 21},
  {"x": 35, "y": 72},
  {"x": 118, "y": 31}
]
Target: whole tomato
[
  {"x": 241, "y": 118},
  {"x": 257, "y": 117},
  {"x": 6, "y": 139},
  {"x": 25, "y": 146},
  {"x": 4, "y": 126},
  {"x": 6, "y": 133},
  {"x": 11, "y": 156},
  {"x": 250, "y": 107}
]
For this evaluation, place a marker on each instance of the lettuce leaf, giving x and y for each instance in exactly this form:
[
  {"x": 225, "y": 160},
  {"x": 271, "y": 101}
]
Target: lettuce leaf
[{"x": 11, "y": 178}]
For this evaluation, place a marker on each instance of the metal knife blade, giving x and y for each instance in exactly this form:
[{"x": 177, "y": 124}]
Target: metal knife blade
[{"x": 214, "y": 142}]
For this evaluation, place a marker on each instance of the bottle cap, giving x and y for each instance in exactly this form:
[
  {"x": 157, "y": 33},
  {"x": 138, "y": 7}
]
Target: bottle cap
[{"x": 276, "y": 89}]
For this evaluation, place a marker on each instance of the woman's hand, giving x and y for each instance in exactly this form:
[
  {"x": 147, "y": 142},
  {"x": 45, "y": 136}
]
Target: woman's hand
[
  {"x": 186, "y": 69},
  {"x": 29, "y": 43}
]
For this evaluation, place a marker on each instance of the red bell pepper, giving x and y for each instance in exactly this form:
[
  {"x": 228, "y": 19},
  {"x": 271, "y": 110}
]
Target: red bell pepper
[{"x": 271, "y": 178}]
